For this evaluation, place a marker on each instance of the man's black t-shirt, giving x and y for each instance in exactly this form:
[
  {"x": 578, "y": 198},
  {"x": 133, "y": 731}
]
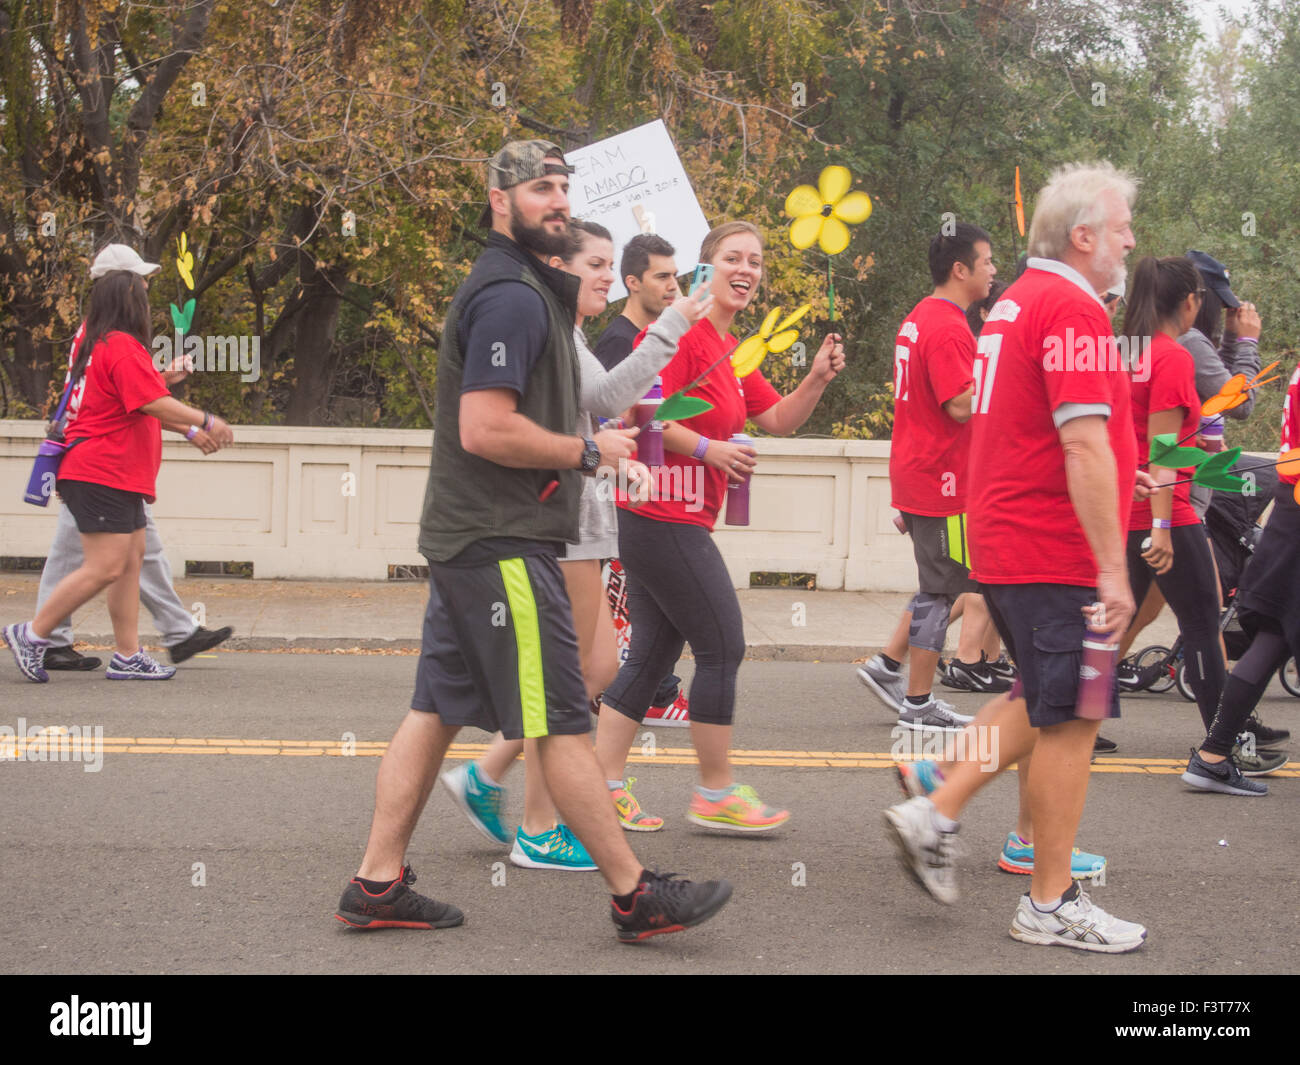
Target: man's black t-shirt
[{"x": 615, "y": 343}]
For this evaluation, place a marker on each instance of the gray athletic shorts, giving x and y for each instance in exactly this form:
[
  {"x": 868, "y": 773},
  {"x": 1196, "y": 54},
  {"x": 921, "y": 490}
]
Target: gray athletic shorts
[
  {"x": 942, "y": 561},
  {"x": 499, "y": 651}
]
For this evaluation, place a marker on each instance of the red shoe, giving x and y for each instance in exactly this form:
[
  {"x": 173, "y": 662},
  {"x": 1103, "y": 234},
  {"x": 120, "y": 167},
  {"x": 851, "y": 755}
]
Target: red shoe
[{"x": 674, "y": 715}]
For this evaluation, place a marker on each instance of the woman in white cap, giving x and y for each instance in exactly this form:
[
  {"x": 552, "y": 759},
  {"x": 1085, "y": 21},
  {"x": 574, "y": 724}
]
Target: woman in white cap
[{"x": 108, "y": 472}]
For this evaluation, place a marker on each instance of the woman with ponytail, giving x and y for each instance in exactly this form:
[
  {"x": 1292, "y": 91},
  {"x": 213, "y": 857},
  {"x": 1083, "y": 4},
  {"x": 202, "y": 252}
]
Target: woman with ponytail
[{"x": 1166, "y": 539}]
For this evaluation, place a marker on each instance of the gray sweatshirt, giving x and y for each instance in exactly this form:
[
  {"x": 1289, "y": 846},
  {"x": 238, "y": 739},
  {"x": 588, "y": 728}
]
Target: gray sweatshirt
[
  {"x": 1213, "y": 368},
  {"x": 607, "y": 394}
]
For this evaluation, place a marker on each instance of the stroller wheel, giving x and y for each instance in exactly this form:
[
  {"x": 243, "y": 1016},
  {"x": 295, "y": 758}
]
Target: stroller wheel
[
  {"x": 1290, "y": 677},
  {"x": 1147, "y": 658},
  {"x": 1184, "y": 688}
]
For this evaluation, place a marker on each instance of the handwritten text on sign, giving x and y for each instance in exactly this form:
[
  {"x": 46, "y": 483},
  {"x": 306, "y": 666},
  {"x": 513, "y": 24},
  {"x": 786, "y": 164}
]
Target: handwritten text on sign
[{"x": 633, "y": 182}]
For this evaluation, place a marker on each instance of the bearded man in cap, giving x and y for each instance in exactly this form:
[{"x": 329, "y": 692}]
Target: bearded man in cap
[{"x": 499, "y": 649}]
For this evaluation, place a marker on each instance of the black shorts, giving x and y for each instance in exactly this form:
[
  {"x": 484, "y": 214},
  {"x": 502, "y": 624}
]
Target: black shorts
[
  {"x": 942, "y": 561},
  {"x": 1043, "y": 627},
  {"x": 100, "y": 509},
  {"x": 499, "y": 650}
]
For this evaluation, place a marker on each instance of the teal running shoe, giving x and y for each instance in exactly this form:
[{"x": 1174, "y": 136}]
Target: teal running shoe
[
  {"x": 557, "y": 849},
  {"x": 481, "y": 801},
  {"x": 918, "y": 778},
  {"x": 1018, "y": 857}
]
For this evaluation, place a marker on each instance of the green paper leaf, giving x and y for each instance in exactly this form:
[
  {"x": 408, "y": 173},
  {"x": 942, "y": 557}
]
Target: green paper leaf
[
  {"x": 181, "y": 319},
  {"x": 1222, "y": 462},
  {"x": 1166, "y": 452},
  {"x": 680, "y": 406},
  {"x": 1213, "y": 472},
  {"x": 1224, "y": 482}
]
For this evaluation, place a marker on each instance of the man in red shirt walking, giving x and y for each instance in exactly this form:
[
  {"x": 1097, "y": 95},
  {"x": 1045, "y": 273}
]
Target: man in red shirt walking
[
  {"x": 933, "y": 383},
  {"x": 1053, "y": 469}
]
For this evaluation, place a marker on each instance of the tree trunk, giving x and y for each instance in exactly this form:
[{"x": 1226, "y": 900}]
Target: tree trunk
[{"x": 314, "y": 355}]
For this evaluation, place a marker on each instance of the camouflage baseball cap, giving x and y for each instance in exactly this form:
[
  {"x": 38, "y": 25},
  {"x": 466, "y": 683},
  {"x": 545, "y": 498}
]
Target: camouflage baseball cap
[{"x": 521, "y": 161}]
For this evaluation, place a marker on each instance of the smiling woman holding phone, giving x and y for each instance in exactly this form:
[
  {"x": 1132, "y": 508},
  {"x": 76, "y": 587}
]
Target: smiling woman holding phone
[{"x": 679, "y": 590}]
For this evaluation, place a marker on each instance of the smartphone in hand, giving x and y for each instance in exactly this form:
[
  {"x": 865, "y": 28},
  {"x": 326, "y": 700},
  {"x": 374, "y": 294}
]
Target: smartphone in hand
[{"x": 703, "y": 276}]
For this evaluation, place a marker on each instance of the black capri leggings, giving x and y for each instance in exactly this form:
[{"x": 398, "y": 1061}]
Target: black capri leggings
[
  {"x": 1190, "y": 589},
  {"x": 678, "y": 592}
]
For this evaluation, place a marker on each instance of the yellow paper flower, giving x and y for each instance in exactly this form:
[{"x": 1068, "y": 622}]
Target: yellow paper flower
[
  {"x": 185, "y": 263},
  {"x": 771, "y": 338},
  {"x": 820, "y": 213}
]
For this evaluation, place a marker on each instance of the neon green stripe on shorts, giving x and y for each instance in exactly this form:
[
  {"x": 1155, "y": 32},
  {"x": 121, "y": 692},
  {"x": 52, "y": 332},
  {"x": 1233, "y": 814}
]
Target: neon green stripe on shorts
[
  {"x": 957, "y": 549},
  {"x": 528, "y": 645}
]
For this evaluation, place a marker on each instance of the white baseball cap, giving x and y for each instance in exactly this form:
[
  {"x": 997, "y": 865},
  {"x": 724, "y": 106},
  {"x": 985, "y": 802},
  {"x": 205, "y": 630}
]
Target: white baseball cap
[{"x": 120, "y": 257}]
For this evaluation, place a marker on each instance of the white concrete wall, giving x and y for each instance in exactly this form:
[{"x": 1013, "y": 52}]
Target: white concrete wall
[{"x": 276, "y": 499}]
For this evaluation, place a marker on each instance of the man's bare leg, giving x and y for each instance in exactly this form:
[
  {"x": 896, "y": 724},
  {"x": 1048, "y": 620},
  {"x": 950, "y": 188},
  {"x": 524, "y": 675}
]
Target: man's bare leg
[
  {"x": 406, "y": 776},
  {"x": 1016, "y": 738},
  {"x": 897, "y": 646},
  {"x": 578, "y": 789},
  {"x": 975, "y": 623},
  {"x": 1057, "y": 789}
]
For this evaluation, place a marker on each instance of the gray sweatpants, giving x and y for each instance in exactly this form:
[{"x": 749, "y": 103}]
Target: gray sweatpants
[{"x": 156, "y": 592}]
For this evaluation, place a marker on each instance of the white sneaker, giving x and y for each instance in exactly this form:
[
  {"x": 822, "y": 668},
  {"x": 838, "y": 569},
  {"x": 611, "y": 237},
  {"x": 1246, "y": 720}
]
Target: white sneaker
[
  {"x": 928, "y": 855},
  {"x": 889, "y": 684},
  {"x": 1078, "y": 923},
  {"x": 934, "y": 716}
]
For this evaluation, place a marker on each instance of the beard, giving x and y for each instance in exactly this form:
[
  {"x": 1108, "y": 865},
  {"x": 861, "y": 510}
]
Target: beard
[
  {"x": 536, "y": 239},
  {"x": 1114, "y": 269}
]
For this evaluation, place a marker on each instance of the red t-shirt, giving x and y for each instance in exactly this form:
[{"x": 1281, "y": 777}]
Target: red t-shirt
[
  {"x": 929, "y": 454},
  {"x": 1172, "y": 383},
  {"x": 1039, "y": 350},
  {"x": 121, "y": 447},
  {"x": 1291, "y": 422},
  {"x": 733, "y": 402}
]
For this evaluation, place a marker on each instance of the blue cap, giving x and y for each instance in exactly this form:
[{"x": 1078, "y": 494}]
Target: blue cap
[{"x": 1216, "y": 276}]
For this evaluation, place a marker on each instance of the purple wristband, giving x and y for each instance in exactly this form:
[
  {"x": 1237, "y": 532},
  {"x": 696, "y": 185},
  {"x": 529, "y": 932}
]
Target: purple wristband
[
  {"x": 208, "y": 419},
  {"x": 1249, "y": 340},
  {"x": 191, "y": 432},
  {"x": 701, "y": 447}
]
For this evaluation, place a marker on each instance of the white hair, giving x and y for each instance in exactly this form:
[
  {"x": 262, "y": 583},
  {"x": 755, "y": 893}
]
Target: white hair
[{"x": 1073, "y": 197}]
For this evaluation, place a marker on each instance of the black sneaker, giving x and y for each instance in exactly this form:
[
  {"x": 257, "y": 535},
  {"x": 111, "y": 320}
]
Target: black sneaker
[
  {"x": 1000, "y": 668},
  {"x": 1264, "y": 736},
  {"x": 67, "y": 658},
  {"x": 1223, "y": 777},
  {"x": 662, "y": 904},
  {"x": 1104, "y": 746},
  {"x": 964, "y": 677},
  {"x": 1255, "y": 763},
  {"x": 398, "y": 907},
  {"x": 200, "y": 640}
]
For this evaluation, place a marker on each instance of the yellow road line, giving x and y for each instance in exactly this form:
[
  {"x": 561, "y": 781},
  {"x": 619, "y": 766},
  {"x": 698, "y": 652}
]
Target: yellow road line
[{"x": 16, "y": 749}]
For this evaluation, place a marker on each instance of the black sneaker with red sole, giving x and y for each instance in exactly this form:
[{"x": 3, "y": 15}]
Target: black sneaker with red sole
[
  {"x": 398, "y": 907},
  {"x": 662, "y": 905}
]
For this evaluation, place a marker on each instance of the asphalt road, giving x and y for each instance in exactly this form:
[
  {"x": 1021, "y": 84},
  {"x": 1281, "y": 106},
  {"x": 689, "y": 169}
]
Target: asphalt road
[{"x": 105, "y": 862}]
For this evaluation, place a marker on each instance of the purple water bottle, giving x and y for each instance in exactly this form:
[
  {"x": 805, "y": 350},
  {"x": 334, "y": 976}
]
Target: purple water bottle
[
  {"x": 1096, "y": 674},
  {"x": 650, "y": 440},
  {"x": 738, "y": 494}
]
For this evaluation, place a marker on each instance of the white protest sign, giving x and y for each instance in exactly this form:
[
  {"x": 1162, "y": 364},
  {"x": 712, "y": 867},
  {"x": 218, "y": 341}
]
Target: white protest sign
[{"x": 633, "y": 182}]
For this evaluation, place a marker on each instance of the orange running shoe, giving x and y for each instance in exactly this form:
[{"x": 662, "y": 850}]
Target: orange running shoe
[
  {"x": 630, "y": 814},
  {"x": 740, "y": 810}
]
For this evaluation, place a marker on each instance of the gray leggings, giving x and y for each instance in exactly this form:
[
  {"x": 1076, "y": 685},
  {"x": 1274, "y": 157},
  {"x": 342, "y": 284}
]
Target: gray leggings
[{"x": 678, "y": 592}]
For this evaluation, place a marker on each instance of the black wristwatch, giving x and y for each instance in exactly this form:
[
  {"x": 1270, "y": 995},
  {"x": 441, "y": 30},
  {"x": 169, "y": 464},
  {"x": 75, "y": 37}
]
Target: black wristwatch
[{"x": 590, "y": 456}]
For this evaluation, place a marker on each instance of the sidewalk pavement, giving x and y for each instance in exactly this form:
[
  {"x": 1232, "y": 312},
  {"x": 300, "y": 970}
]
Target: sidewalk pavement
[{"x": 780, "y": 623}]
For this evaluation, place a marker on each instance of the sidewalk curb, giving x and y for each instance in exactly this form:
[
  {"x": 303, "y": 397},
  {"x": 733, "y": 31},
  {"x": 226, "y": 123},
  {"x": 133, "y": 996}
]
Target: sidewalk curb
[{"x": 766, "y": 652}]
